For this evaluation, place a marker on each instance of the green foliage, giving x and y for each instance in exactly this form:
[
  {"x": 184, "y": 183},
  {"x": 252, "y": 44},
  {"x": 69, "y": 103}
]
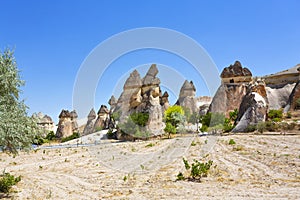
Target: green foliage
[
  {"x": 71, "y": 137},
  {"x": 116, "y": 115},
  {"x": 17, "y": 130},
  {"x": 289, "y": 115},
  {"x": 7, "y": 181},
  {"x": 228, "y": 125},
  {"x": 186, "y": 164},
  {"x": 261, "y": 127},
  {"x": 298, "y": 103},
  {"x": 131, "y": 128},
  {"x": 140, "y": 119},
  {"x": 275, "y": 115},
  {"x": 233, "y": 115},
  {"x": 212, "y": 119},
  {"x": 110, "y": 134},
  {"x": 231, "y": 142},
  {"x": 170, "y": 129},
  {"x": 197, "y": 170},
  {"x": 174, "y": 115},
  {"x": 51, "y": 136},
  {"x": 180, "y": 176}
]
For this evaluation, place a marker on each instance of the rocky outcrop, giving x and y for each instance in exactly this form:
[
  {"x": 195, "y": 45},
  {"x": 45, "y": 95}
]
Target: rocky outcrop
[
  {"x": 164, "y": 101},
  {"x": 187, "y": 97},
  {"x": 279, "y": 96},
  {"x": 144, "y": 96},
  {"x": 45, "y": 122},
  {"x": 293, "y": 101},
  {"x": 236, "y": 73},
  {"x": 67, "y": 124},
  {"x": 102, "y": 119},
  {"x": 235, "y": 82},
  {"x": 89, "y": 128},
  {"x": 112, "y": 103},
  {"x": 254, "y": 107}
]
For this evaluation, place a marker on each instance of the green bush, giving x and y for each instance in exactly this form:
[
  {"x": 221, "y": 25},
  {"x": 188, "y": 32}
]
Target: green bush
[
  {"x": 212, "y": 119},
  {"x": 196, "y": 171},
  {"x": 275, "y": 115},
  {"x": 261, "y": 127},
  {"x": 174, "y": 115},
  {"x": 71, "y": 137},
  {"x": 289, "y": 115},
  {"x": 116, "y": 115},
  {"x": 170, "y": 129},
  {"x": 140, "y": 118},
  {"x": 129, "y": 127},
  {"x": 231, "y": 142},
  {"x": 50, "y": 136},
  {"x": 7, "y": 181}
]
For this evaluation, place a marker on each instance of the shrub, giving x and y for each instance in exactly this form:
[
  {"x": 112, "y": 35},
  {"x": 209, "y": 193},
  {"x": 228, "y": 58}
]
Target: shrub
[
  {"x": 131, "y": 128},
  {"x": 170, "y": 129},
  {"x": 250, "y": 128},
  {"x": 71, "y": 137},
  {"x": 116, "y": 115},
  {"x": 140, "y": 118},
  {"x": 196, "y": 171},
  {"x": 7, "y": 181},
  {"x": 261, "y": 127},
  {"x": 231, "y": 142},
  {"x": 50, "y": 136},
  {"x": 289, "y": 115},
  {"x": 212, "y": 119},
  {"x": 275, "y": 115}
]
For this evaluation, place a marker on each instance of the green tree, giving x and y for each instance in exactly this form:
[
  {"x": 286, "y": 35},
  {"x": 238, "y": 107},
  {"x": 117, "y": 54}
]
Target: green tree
[
  {"x": 170, "y": 129},
  {"x": 174, "y": 115},
  {"x": 17, "y": 130}
]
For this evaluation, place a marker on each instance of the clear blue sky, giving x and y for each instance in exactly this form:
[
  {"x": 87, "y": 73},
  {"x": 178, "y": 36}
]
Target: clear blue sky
[{"x": 52, "y": 39}]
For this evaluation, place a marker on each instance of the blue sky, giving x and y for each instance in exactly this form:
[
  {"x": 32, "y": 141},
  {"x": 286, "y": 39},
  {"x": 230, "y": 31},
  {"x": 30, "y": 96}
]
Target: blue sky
[{"x": 52, "y": 39}]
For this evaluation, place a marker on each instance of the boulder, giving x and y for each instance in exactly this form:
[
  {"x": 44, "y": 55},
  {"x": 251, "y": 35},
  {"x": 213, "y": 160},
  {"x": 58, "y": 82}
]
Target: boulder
[{"x": 292, "y": 103}]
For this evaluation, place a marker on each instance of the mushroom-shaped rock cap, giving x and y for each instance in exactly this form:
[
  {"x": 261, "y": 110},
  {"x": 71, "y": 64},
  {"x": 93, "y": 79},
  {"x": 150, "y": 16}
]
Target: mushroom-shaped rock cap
[
  {"x": 103, "y": 110},
  {"x": 73, "y": 114},
  {"x": 64, "y": 114},
  {"x": 165, "y": 94},
  {"x": 188, "y": 86},
  {"x": 235, "y": 70},
  {"x": 92, "y": 114},
  {"x": 112, "y": 100},
  {"x": 133, "y": 81}
]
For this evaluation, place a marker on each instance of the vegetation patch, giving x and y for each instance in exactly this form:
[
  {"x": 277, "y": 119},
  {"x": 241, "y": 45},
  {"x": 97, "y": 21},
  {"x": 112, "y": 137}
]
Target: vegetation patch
[{"x": 7, "y": 181}]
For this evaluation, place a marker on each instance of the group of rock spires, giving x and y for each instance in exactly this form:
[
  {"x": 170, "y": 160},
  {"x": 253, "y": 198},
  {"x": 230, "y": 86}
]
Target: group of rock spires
[{"x": 253, "y": 97}]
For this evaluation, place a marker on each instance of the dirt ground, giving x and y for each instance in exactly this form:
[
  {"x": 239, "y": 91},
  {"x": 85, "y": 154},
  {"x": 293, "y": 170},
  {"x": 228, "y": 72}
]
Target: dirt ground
[{"x": 256, "y": 167}]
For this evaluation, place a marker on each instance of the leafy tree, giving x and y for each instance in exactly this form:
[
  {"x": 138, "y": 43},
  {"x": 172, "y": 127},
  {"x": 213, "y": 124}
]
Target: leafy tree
[
  {"x": 170, "y": 129},
  {"x": 17, "y": 130},
  {"x": 174, "y": 115}
]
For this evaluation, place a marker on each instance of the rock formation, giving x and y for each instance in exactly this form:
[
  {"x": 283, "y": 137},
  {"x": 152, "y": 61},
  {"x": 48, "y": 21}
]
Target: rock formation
[
  {"x": 236, "y": 74},
  {"x": 164, "y": 101},
  {"x": 112, "y": 103},
  {"x": 102, "y": 119},
  {"x": 235, "y": 81},
  {"x": 67, "y": 124},
  {"x": 45, "y": 122},
  {"x": 144, "y": 95},
  {"x": 89, "y": 128},
  {"x": 293, "y": 101},
  {"x": 254, "y": 107},
  {"x": 187, "y": 97}
]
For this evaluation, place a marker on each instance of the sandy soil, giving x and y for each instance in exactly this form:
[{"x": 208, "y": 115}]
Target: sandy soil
[{"x": 256, "y": 167}]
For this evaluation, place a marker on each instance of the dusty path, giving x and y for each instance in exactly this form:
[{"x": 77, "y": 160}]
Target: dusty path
[{"x": 256, "y": 167}]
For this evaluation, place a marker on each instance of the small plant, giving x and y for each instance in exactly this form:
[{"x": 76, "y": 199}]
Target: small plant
[
  {"x": 197, "y": 170},
  {"x": 40, "y": 167},
  {"x": 149, "y": 145},
  {"x": 7, "y": 181},
  {"x": 289, "y": 115},
  {"x": 193, "y": 143},
  {"x": 125, "y": 178},
  {"x": 142, "y": 167},
  {"x": 180, "y": 176},
  {"x": 275, "y": 115},
  {"x": 231, "y": 142}
]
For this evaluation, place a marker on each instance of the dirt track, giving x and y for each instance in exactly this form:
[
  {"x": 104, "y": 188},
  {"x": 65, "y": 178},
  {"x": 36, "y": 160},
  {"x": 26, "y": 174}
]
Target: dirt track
[{"x": 256, "y": 167}]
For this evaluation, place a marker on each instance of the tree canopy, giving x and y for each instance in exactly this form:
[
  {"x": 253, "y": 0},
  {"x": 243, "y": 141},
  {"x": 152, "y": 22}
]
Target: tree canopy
[{"x": 17, "y": 130}]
